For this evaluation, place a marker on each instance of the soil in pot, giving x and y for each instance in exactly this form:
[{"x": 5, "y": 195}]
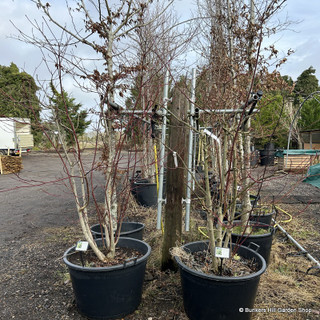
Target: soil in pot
[
  {"x": 259, "y": 214},
  {"x": 234, "y": 267},
  {"x": 208, "y": 296},
  {"x": 110, "y": 292},
  {"x": 89, "y": 259}
]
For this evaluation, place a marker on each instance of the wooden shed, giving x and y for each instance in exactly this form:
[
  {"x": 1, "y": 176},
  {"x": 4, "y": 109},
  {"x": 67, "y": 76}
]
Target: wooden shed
[
  {"x": 311, "y": 139},
  {"x": 300, "y": 159}
]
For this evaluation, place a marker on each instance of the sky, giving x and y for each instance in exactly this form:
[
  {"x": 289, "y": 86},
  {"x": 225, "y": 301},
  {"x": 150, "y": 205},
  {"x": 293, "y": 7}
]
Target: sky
[{"x": 302, "y": 37}]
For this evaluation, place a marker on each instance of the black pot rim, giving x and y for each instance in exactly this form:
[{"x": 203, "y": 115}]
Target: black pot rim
[
  {"x": 140, "y": 180},
  {"x": 224, "y": 278},
  {"x": 141, "y": 226},
  {"x": 109, "y": 268},
  {"x": 144, "y": 183}
]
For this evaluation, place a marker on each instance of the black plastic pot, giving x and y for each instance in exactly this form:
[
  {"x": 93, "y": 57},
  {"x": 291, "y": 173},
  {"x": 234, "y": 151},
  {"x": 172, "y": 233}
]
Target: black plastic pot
[
  {"x": 145, "y": 192},
  {"x": 267, "y": 157},
  {"x": 210, "y": 297},
  {"x": 128, "y": 229},
  {"x": 264, "y": 241},
  {"x": 134, "y": 187},
  {"x": 109, "y": 292},
  {"x": 265, "y": 218}
]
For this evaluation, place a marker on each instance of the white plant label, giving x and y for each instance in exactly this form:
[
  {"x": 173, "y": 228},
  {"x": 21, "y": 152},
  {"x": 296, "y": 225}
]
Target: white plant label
[
  {"x": 175, "y": 159},
  {"x": 222, "y": 252},
  {"x": 82, "y": 246}
]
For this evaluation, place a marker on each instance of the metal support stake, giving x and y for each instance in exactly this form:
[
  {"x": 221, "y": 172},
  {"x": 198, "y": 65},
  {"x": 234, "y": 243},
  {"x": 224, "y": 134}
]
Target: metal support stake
[
  {"x": 190, "y": 151},
  {"x": 194, "y": 156},
  {"x": 162, "y": 148},
  {"x": 297, "y": 244}
]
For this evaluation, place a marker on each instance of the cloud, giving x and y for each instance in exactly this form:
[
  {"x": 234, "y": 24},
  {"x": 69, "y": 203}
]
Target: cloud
[
  {"x": 306, "y": 55},
  {"x": 303, "y": 37}
]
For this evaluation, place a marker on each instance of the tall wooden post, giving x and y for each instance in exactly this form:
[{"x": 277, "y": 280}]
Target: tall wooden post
[{"x": 175, "y": 186}]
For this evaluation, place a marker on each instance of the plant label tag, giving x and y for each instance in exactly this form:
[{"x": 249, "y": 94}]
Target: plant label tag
[
  {"x": 82, "y": 246},
  {"x": 222, "y": 252}
]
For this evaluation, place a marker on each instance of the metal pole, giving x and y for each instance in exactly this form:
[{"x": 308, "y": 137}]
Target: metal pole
[
  {"x": 297, "y": 244},
  {"x": 162, "y": 148},
  {"x": 194, "y": 155},
  {"x": 224, "y": 111},
  {"x": 190, "y": 150}
]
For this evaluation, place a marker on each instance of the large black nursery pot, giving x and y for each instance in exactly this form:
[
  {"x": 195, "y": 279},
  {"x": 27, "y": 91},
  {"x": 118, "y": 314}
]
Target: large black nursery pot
[
  {"x": 267, "y": 155},
  {"x": 128, "y": 229},
  {"x": 134, "y": 187},
  {"x": 109, "y": 292},
  {"x": 265, "y": 218},
  {"x": 211, "y": 297},
  {"x": 145, "y": 192},
  {"x": 264, "y": 241}
]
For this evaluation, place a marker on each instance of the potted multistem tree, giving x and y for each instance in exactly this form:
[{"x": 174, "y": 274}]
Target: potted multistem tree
[
  {"x": 98, "y": 267},
  {"x": 215, "y": 280},
  {"x": 214, "y": 271},
  {"x": 101, "y": 291}
]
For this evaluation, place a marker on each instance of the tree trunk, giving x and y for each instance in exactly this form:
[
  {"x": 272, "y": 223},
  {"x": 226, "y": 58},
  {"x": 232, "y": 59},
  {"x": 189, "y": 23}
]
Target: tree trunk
[{"x": 175, "y": 178}]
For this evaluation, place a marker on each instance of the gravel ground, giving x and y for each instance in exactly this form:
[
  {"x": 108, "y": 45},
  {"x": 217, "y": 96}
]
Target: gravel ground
[{"x": 39, "y": 223}]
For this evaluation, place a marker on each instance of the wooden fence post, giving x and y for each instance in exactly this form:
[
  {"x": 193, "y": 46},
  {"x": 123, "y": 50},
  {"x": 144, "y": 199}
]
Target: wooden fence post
[{"x": 175, "y": 183}]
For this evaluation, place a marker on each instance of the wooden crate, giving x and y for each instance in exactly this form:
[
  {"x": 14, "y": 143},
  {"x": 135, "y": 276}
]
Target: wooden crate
[
  {"x": 297, "y": 162},
  {"x": 10, "y": 164}
]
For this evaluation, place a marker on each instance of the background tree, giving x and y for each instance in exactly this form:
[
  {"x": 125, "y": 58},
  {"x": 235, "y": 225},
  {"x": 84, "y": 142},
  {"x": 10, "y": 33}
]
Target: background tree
[
  {"x": 65, "y": 110},
  {"x": 309, "y": 117},
  {"x": 271, "y": 123},
  {"x": 18, "y": 97},
  {"x": 275, "y": 112},
  {"x": 306, "y": 83},
  {"x": 288, "y": 80}
]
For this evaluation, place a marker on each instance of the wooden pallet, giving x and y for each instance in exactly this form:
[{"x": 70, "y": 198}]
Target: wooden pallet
[
  {"x": 297, "y": 162},
  {"x": 10, "y": 164}
]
